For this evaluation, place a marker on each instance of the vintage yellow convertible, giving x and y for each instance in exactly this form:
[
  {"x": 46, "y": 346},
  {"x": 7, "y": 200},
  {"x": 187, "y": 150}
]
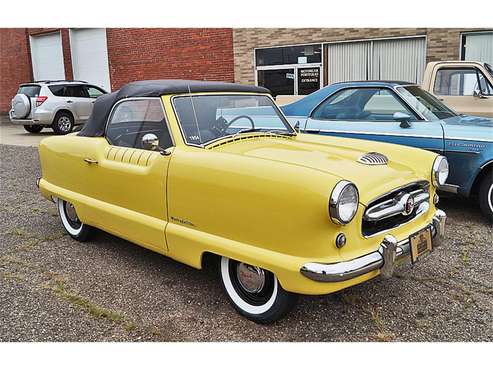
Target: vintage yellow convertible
[{"x": 193, "y": 168}]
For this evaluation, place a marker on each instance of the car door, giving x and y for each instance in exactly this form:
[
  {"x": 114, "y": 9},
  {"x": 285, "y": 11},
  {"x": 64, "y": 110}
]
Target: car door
[
  {"x": 464, "y": 89},
  {"x": 79, "y": 101},
  {"x": 129, "y": 181},
  {"x": 368, "y": 113}
]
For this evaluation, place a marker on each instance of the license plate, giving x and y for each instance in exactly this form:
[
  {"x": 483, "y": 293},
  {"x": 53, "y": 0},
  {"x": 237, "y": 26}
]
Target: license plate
[{"x": 420, "y": 244}]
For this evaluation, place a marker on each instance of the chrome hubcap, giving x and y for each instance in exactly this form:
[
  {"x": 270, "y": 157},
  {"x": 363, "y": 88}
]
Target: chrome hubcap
[
  {"x": 70, "y": 212},
  {"x": 64, "y": 123},
  {"x": 251, "y": 278}
]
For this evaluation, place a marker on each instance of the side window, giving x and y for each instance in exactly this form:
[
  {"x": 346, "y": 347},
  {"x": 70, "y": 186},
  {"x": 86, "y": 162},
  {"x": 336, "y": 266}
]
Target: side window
[
  {"x": 93, "y": 91},
  {"x": 456, "y": 82},
  {"x": 484, "y": 84},
  {"x": 75, "y": 91},
  {"x": 361, "y": 104},
  {"x": 132, "y": 119},
  {"x": 58, "y": 90}
]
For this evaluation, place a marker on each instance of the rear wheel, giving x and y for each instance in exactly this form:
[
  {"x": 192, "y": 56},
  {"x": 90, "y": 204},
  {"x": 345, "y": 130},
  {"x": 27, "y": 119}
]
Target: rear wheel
[
  {"x": 34, "y": 129},
  {"x": 254, "y": 292},
  {"x": 486, "y": 195},
  {"x": 71, "y": 223},
  {"x": 63, "y": 123}
]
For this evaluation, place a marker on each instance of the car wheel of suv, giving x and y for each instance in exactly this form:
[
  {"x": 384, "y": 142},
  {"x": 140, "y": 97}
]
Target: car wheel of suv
[
  {"x": 63, "y": 123},
  {"x": 71, "y": 223},
  {"x": 254, "y": 292},
  {"x": 486, "y": 195},
  {"x": 33, "y": 129}
]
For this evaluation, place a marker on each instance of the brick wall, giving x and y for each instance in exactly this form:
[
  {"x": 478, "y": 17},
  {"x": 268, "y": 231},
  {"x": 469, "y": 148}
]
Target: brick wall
[
  {"x": 15, "y": 64},
  {"x": 441, "y": 43},
  {"x": 177, "y": 53}
]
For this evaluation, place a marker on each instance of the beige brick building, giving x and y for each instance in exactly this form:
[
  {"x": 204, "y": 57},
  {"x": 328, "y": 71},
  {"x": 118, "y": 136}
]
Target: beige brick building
[{"x": 265, "y": 56}]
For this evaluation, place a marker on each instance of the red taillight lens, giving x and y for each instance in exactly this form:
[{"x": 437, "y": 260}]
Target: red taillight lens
[{"x": 40, "y": 100}]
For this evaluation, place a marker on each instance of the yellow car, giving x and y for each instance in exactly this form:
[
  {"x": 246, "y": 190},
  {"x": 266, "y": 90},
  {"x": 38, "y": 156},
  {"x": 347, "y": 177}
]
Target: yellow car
[{"x": 192, "y": 168}]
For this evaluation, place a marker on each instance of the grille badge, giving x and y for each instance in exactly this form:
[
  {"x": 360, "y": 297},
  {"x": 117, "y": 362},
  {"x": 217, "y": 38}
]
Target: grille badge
[{"x": 373, "y": 159}]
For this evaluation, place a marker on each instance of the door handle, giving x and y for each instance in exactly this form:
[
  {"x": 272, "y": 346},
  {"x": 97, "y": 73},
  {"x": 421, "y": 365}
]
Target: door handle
[
  {"x": 90, "y": 161},
  {"x": 69, "y": 101}
]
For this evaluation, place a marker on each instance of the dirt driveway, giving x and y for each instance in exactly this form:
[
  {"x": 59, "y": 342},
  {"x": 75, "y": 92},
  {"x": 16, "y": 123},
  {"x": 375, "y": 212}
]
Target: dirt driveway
[{"x": 55, "y": 289}]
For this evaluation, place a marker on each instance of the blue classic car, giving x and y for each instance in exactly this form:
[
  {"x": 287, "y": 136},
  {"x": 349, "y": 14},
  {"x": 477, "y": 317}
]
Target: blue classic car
[{"x": 403, "y": 113}]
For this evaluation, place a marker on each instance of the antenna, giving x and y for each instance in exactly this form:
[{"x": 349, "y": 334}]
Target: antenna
[{"x": 194, "y": 114}]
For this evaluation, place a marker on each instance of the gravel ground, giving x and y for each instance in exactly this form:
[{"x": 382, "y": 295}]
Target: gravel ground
[{"x": 53, "y": 288}]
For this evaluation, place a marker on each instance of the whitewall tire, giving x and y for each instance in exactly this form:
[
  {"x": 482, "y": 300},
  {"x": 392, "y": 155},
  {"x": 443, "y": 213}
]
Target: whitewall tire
[
  {"x": 70, "y": 221},
  {"x": 254, "y": 292}
]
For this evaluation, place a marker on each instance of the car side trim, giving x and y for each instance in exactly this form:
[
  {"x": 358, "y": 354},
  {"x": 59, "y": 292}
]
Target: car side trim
[{"x": 377, "y": 133}]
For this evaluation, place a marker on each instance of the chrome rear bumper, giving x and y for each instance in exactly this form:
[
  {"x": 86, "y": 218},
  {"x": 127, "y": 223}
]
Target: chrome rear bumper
[{"x": 390, "y": 251}]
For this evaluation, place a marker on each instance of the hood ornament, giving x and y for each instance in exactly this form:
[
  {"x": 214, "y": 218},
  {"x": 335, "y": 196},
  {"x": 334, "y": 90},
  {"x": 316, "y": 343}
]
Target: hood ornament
[{"x": 373, "y": 159}]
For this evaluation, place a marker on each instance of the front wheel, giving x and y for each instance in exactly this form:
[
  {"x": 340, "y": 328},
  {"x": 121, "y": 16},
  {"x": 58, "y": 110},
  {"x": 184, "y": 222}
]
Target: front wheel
[
  {"x": 33, "y": 129},
  {"x": 71, "y": 223},
  {"x": 486, "y": 195},
  {"x": 254, "y": 292}
]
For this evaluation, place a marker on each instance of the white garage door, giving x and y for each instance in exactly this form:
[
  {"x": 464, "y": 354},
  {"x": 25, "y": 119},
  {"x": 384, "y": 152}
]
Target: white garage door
[
  {"x": 47, "y": 57},
  {"x": 478, "y": 47},
  {"x": 90, "y": 56},
  {"x": 392, "y": 59}
]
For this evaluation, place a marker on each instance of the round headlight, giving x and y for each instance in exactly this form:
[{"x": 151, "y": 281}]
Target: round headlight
[
  {"x": 439, "y": 173},
  {"x": 343, "y": 202}
]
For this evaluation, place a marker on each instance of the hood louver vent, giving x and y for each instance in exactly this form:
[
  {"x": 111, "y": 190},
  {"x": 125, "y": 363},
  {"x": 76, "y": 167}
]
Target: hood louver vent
[{"x": 373, "y": 159}]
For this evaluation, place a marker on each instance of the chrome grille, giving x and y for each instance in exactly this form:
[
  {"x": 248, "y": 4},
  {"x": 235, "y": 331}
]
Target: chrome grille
[
  {"x": 373, "y": 159},
  {"x": 396, "y": 208}
]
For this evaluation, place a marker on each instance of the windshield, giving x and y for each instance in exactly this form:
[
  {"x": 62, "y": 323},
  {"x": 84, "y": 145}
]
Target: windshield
[
  {"x": 206, "y": 118},
  {"x": 422, "y": 101},
  {"x": 489, "y": 69}
]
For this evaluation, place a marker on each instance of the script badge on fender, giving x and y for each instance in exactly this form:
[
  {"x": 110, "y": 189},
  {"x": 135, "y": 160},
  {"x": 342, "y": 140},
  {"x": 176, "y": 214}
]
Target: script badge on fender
[{"x": 420, "y": 244}]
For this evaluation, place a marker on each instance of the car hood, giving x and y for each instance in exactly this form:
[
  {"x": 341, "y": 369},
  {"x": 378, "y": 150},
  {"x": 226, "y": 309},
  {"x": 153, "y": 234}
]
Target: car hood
[
  {"x": 468, "y": 128},
  {"x": 338, "y": 157}
]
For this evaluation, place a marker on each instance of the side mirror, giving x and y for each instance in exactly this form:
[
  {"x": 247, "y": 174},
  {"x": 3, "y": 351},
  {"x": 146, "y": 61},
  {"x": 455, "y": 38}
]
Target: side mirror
[
  {"x": 150, "y": 142},
  {"x": 479, "y": 94},
  {"x": 403, "y": 118},
  {"x": 297, "y": 126}
]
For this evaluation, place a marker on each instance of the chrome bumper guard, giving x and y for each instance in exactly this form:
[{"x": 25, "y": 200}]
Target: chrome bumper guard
[{"x": 390, "y": 251}]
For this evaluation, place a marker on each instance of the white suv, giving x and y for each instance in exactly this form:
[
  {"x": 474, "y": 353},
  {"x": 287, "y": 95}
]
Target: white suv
[{"x": 57, "y": 104}]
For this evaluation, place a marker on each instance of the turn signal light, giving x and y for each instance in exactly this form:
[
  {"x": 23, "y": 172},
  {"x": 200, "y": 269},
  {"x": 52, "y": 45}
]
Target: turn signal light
[{"x": 40, "y": 100}]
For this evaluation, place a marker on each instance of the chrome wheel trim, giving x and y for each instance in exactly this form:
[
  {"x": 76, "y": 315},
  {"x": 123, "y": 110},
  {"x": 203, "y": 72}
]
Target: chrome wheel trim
[
  {"x": 489, "y": 197},
  {"x": 251, "y": 278},
  {"x": 64, "y": 123},
  {"x": 235, "y": 297},
  {"x": 68, "y": 224}
]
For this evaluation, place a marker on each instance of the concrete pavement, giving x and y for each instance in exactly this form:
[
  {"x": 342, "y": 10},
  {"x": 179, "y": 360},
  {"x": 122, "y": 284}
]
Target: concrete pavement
[{"x": 16, "y": 135}]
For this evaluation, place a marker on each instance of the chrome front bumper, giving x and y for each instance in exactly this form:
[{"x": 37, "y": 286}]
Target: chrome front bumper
[{"x": 384, "y": 258}]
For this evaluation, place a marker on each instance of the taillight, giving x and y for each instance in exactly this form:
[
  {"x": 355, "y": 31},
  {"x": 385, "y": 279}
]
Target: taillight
[{"x": 40, "y": 100}]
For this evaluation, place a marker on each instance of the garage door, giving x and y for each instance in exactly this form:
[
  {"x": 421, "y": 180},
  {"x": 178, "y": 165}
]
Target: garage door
[
  {"x": 391, "y": 59},
  {"x": 47, "y": 57},
  {"x": 90, "y": 56},
  {"x": 478, "y": 47}
]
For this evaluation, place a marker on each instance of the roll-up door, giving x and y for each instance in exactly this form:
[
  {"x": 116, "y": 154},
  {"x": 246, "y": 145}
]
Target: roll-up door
[
  {"x": 399, "y": 59},
  {"x": 391, "y": 59},
  {"x": 90, "y": 56},
  {"x": 47, "y": 57},
  {"x": 478, "y": 47}
]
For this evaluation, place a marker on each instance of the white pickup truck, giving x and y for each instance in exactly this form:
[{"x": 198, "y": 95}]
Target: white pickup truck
[{"x": 466, "y": 87}]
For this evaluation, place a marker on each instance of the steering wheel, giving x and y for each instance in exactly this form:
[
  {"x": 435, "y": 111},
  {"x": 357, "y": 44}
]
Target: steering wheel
[{"x": 221, "y": 125}]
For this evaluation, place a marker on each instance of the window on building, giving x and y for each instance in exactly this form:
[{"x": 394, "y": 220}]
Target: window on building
[
  {"x": 289, "y": 70},
  {"x": 477, "y": 46},
  {"x": 460, "y": 82},
  {"x": 132, "y": 119},
  {"x": 361, "y": 104}
]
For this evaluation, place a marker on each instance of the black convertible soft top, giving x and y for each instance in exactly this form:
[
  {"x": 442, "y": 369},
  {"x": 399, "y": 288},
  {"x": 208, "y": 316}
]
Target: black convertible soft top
[{"x": 102, "y": 106}]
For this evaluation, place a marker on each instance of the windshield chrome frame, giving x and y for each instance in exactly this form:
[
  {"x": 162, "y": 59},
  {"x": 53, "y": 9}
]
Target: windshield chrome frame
[{"x": 283, "y": 118}]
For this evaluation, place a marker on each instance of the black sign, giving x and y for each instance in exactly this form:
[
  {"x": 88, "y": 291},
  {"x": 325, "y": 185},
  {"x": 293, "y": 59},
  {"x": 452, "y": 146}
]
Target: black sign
[{"x": 308, "y": 80}]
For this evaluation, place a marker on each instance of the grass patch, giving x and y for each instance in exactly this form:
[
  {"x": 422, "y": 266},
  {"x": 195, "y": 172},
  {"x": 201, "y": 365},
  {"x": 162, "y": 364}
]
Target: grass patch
[
  {"x": 465, "y": 256},
  {"x": 12, "y": 276},
  {"x": 93, "y": 309},
  {"x": 382, "y": 334}
]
